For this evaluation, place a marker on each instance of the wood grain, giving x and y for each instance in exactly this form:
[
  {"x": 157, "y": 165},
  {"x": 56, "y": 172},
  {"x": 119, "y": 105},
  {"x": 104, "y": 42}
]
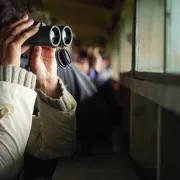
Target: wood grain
[{"x": 150, "y": 36}]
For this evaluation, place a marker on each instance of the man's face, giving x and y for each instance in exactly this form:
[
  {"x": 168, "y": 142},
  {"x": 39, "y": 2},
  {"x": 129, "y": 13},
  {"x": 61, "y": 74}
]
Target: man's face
[{"x": 75, "y": 56}]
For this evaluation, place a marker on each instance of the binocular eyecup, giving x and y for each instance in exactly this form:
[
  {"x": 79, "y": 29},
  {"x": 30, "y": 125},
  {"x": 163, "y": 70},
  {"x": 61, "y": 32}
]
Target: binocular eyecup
[{"x": 53, "y": 36}]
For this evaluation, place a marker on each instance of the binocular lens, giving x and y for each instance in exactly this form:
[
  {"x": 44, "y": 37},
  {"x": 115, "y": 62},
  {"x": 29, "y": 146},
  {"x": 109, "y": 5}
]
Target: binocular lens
[
  {"x": 55, "y": 37},
  {"x": 67, "y": 35},
  {"x": 52, "y": 36}
]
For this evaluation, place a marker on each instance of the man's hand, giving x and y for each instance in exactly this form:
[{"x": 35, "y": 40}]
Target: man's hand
[
  {"x": 43, "y": 64},
  {"x": 12, "y": 38}
]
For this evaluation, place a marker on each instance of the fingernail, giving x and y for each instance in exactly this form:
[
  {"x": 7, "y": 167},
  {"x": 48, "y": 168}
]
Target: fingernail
[
  {"x": 25, "y": 16},
  {"x": 31, "y": 20},
  {"x": 36, "y": 28}
]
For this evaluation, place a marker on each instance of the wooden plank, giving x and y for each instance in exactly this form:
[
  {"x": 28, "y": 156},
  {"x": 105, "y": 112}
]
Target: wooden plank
[
  {"x": 101, "y": 3},
  {"x": 115, "y": 56},
  {"x": 150, "y": 36},
  {"x": 159, "y": 123},
  {"x": 131, "y": 124},
  {"x": 173, "y": 38},
  {"x": 170, "y": 146},
  {"x": 88, "y": 30},
  {"x": 79, "y": 21},
  {"x": 164, "y": 95},
  {"x": 133, "y": 64},
  {"x": 143, "y": 132},
  {"x": 125, "y": 40},
  {"x": 125, "y": 96},
  {"x": 78, "y": 10},
  {"x": 170, "y": 79},
  {"x": 84, "y": 19},
  {"x": 96, "y": 3},
  {"x": 126, "y": 45},
  {"x": 128, "y": 5}
]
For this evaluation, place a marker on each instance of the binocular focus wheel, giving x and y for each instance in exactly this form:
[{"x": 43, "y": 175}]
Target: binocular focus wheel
[{"x": 63, "y": 58}]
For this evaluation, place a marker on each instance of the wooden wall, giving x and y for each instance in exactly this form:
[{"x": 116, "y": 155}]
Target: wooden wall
[
  {"x": 126, "y": 45},
  {"x": 150, "y": 36},
  {"x": 173, "y": 38},
  {"x": 151, "y": 104}
]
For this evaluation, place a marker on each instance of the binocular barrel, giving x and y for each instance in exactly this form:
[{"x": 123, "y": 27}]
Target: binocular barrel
[
  {"x": 52, "y": 36},
  {"x": 66, "y": 35}
]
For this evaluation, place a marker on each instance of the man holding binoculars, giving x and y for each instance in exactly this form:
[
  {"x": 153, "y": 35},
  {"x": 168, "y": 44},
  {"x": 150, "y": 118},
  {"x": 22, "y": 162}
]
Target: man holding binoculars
[{"x": 52, "y": 134}]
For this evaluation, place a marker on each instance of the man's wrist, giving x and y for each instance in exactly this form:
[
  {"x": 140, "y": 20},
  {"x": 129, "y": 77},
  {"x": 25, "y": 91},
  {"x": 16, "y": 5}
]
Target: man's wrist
[{"x": 51, "y": 88}]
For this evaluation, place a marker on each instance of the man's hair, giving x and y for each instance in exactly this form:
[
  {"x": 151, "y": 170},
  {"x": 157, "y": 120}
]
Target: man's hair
[
  {"x": 83, "y": 54},
  {"x": 103, "y": 55},
  {"x": 11, "y": 11},
  {"x": 39, "y": 15}
]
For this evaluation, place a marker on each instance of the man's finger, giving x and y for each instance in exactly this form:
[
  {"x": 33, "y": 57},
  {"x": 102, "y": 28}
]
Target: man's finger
[
  {"x": 37, "y": 52},
  {"x": 49, "y": 49},
  {"x": 18, "y": 30},
  {"x": 36, "y": 58},
  {"x": 22, "y": 27},
  {"x": 23, "y": 19},
  {"x": 24, "y": 49},
  {"x": 25, "y": 36}
]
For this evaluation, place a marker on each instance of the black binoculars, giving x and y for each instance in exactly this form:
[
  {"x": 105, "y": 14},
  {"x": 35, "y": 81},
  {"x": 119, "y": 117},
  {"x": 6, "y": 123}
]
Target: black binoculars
[{"x": 52, "y": 36}]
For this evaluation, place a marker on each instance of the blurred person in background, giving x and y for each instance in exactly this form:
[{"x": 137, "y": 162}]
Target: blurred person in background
[
  {"x": 95, "y": 63},
  {"x": 100, "y": 74},
  {"x": 105, "y": 74},
  {"x": 83, "y": 62},
  {"x": 96, "y": 127},
  {"x": 99, "y": 71},
  {"x": 75, "y": 49}
]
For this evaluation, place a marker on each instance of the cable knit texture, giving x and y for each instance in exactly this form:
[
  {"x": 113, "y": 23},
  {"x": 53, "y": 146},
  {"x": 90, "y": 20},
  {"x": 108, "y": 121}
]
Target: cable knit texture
[
  {"x": 17, "y": 75},
  {"x": 61, "y": 104},
  {"x": 14, "y": 74}
]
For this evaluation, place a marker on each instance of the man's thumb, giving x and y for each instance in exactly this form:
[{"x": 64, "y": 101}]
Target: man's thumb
[
  {"x": 37, "y": 52},
  {"x": 35, "y": 58}
]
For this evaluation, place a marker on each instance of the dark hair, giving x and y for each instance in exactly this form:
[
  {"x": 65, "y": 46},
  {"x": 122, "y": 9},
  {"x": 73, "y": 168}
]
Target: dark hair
[
  {"x": 103, "y": 55},
  {"x": 83, "y": 54},
  {"x": 11, "y": 11}
]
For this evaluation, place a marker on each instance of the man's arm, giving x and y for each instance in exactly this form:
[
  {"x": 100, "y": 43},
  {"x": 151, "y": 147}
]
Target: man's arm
[
  {"x": 16, "y": 106},
  {"x": 53, "y": 133}
]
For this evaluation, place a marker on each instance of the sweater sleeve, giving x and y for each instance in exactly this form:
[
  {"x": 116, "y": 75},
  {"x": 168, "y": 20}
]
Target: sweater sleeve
[
  {"x": 22, "y": 77},
  {"x": 53, "y": 132},
  {"x": 17, "y": 97},
  {"x": 62, "y": 104},
  {"x": 17, "y": 75}
]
